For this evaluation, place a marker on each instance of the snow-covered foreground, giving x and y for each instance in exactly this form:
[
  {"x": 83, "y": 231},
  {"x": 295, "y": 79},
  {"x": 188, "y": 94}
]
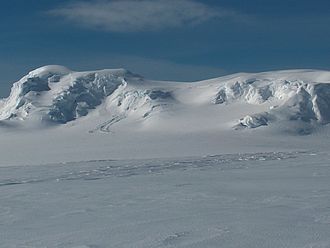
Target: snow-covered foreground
[{"x": 239, "y": 200}]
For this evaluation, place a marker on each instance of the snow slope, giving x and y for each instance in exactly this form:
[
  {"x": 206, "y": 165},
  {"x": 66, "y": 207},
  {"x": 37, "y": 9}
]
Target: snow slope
[{"x": 118, "y": 114}]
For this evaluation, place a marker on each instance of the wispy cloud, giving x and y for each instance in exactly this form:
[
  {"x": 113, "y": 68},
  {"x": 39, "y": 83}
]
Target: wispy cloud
[{"x": 139, "y": 15}]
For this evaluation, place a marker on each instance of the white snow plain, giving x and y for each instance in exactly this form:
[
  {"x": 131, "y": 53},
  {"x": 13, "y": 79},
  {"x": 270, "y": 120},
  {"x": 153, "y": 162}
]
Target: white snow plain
[
  {"x": 110, "y": 159},
  {"x": 237, "y": 200}
]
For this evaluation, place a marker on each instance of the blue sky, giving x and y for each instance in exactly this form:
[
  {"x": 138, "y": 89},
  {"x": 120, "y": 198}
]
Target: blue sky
[{"x": 163, "y": 39}]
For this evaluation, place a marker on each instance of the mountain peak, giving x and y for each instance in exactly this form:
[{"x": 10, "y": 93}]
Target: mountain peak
[{"x": 47, "y": 70}]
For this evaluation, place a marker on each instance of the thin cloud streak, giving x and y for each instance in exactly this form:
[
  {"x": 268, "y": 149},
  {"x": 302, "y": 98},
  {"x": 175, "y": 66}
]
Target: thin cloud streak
[{"x": 139, "y": 15}]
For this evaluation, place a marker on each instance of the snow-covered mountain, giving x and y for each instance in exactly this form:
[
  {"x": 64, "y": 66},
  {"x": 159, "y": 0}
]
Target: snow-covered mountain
[
  {"x": 57, "y": 95},
  {"x": 54, "y": 114}
]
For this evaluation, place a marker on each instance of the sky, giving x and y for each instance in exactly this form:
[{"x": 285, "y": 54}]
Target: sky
[{"x": 183, "y": 40}]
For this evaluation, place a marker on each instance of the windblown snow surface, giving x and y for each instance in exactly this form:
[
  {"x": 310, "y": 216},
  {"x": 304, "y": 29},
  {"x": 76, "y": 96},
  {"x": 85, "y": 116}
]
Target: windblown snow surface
[{"x": 110, "y": 159}]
